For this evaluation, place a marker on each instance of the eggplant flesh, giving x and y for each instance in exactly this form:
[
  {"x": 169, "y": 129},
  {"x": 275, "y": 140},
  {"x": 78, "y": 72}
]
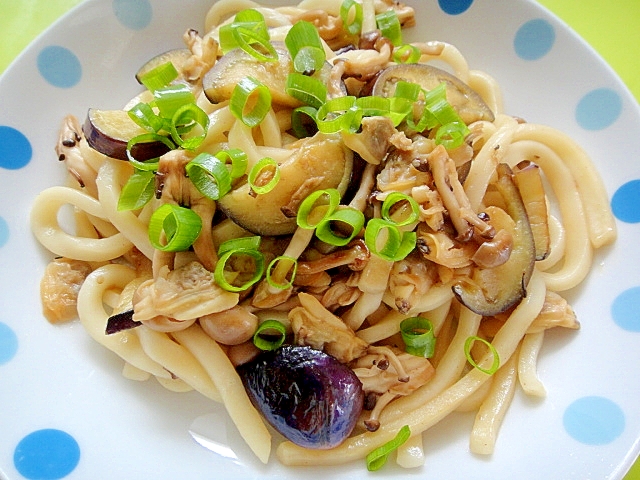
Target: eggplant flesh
[{"x": 308, "y": 396}]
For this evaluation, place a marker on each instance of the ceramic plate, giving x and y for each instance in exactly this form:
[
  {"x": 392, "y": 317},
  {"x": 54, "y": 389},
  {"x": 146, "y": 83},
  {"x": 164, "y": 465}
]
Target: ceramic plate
[{"x": 65, "y": 409}]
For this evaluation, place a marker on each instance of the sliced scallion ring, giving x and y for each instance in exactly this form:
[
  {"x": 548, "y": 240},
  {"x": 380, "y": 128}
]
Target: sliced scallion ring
[
  {"x": 468, "y": 345},
  {"x": 186, "y": 115},
  {"x": 378, "y": 457},
  {"x": 138, "y": 190},
  {"x": 309, "y": 90},
  {"x": 451, "y": 135},
  {"x": 144, "y": 116},
  {"x": 209, "y": 175},
  {"x": 170, "y": 98},
  {"x": 332, "y": 229},
  {"x": 383, "y": 238},
  {"x": 317, "y": 207},
  {"x": 279, "y": 269},
  {"x": 339, "y": 114},
  {"x": 219, "y": 273},
  {"x": 238, "y": 160},
  {"x": 267, "y": 166},
  {"x": 406, "y": 53},
  {"x": 418, "y": 336},
  {"x": 303, "y": 121},
  {"x": 351, "y": 14},
  {"x": 151, "y": 164},
  {"x": 269, "y": 335},
  {"x": 250, "y": 101},
  {"x": 393, "y": 200},
  {"x": 173, "y": 228},
  {"x": 159, "y": 77},
  {"x": 305, "y": 47},
  {"x": 389, "y": 25}
]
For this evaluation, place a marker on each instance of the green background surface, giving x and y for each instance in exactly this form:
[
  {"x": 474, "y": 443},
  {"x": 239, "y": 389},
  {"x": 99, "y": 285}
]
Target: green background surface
[{"x": 611, "y": 27}]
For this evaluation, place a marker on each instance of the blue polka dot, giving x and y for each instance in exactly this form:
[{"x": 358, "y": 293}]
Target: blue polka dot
[
  {"x": 8, "y": 343},
  {"x": 133, "y": 14},
  {"x": 46, "y": 455},
  {"x": 594, "y": 420},
  {"x": 625, "y": 310},
  {"x": 534, "y": 39},
  {"x": 626, "y": 202},
  {"x": 15, "y": 148},
  {"x": 454, "y": 7},
  {"x": 59, "y": 66},
  {"x": 598, "y": 109}
]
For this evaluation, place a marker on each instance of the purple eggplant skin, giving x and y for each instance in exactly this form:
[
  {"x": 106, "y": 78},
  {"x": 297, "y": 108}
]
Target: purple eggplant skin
[{"x": 307, "y": 395}]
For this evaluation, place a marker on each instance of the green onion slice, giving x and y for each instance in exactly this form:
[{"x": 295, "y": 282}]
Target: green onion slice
[
  {"x": 468, "y": 344},
  {"x": 351, "y": 14},
  {"x": 305, "y": 47},
  {"x": 159, "y": 77},
  {"x": 339, "y": 114},
  {"x": 248, "y": 28},
  {"x": 321, "y": 203},
  {"x": 138, "y": 190},
  {"x": 209, "y": 175},
  {"x": 378, "y": 457},
  {"x": 238, "y": 160},
  {"x": 309, "y": 90},
  {"x": 276, "y": 269},
  {"x": 389, "y": 25},
  {"x": 145, "y": 117},
  {"x": 451, "y": 135},
  {"x": 407, "y": 53},
  {"x": 180, "y": 226},
  {"x": 151, "y": 164},
  {"x": 263, "y": 50},
  {"x": 383, "y": 238},
  {"x": 418, "y": 336},
  {"x": 341, "y": 226},
  {"x": 372, "y": 106},
  {"x": 240, "y": 247},
  {"x": 170, "y": 98},
  {"x": 250, "y": 101},
  {"x": 186, "y": 115},
  {"x": 303, "y": 121},
  {"x": 269, "y": 335},
  {"x": 394, "y": 199},
  {"x": 266, "y": 165}
]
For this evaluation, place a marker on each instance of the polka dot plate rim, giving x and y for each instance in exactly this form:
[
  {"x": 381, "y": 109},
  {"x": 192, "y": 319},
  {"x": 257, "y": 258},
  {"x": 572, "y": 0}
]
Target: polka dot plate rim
[{"x": 57, "y": 383}]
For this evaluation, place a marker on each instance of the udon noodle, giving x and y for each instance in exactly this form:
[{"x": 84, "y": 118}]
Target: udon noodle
[{"x": 480, "y": 266}]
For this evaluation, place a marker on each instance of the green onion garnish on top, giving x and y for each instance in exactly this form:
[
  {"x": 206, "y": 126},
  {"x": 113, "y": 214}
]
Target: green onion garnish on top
[
  {"x": 384, "y": 238},
  {"x": 395, "y": 205},
  {"x": 159, "y": 77},
  {"x": 317, "y": 207},
  {"x": 138, "y": 190},
  {"x": 279, "y": 269},
  {"x": 264, "y": 176},
  {"x": 339, "y": 228},
  {"x": 246, "y": 250},
  {"x": 418, "y": 336},
  {"x": 173, "y": 228},
  {"x": 378, "y": 457},
  {"x": 468, "y": 345},
  {"x": 351, "y": 14},
  {"x": 389, "y": 25},
  {"x": 249, "y": 32},
  {"x": 209, "y": 175},
  {"x": 305, "y": 47},
  {"x": 269, "y": 335},
  {"x": 406, "y": 53},
  {"x": 309, "y": 90},
  {"x": 250, "y": 101}
]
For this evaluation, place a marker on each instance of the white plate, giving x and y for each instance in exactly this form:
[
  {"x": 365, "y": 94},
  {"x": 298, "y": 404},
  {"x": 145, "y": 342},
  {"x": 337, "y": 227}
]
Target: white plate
[{"x": 56, "y": 379}]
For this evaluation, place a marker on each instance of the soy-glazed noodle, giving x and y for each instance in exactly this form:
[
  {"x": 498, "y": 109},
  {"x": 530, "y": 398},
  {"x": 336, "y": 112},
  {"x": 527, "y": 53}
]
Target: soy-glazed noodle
[{"x": 483, "y": 227}]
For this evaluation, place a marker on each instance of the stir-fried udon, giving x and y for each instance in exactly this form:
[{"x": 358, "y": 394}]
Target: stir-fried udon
[{"x": 301, "y": 216}]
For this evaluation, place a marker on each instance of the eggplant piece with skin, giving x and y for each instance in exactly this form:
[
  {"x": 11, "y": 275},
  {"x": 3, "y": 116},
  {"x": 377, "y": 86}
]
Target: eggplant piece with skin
[
  {"x": 495, "y": 290},
  {"x": 317, "y": 162},
  {"x": 466, "y": 101},
  {"x": 108, "y": 132},
  {"x": 308, "y": 396}
]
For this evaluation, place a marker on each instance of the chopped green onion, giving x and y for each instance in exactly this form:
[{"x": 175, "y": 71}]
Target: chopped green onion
[
  {"x": 145, "y": 117},
  {"x": 247, "y": 29},
  {"x": 351, "y": 14},
  {"x": 305, "y": 47},
  {"x": 468, "y": 344},
  {"x": 309, "y": 90},
  {"x": 383, "y": 238},
  {"x": 250, "y": 101},
  {"x": 389, "y": 25},
  {"x": 186, "y": 115},
  {"x": 151, "y": 164},
  {"x": 246, "y": 243},
  {"x": 269, "y": 335},
  {"x": 209, "y": 175},
  {"x": 339, "y": 114},
  {"x": 300, "y": 127},
  {"x": 417, "y": 334},
  {"x": 326, "y": 201},
  {"x": 180, "y": 226},
  {"x": 274, "y": 269},
  {"x": 159, "y": 77},
  {"x": 265, "y": 165},
  {"x": 378, "y": 457},
  {"x": 138, "y": 190},
  {"x": 246, "y": 39},
  {"x": 239, "y": 247},
  {"x": 238, "y": 160},
  {"x": 451, "y": 135},
  {"x": 372, "y": 106},
  {"x": 170, "y": 98},
  {"x": 393, "y": 200},
  {"x": 407, "y": 53},
  {"x": 409, "y": 90},
  {"x": 332, "y": 229}
]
